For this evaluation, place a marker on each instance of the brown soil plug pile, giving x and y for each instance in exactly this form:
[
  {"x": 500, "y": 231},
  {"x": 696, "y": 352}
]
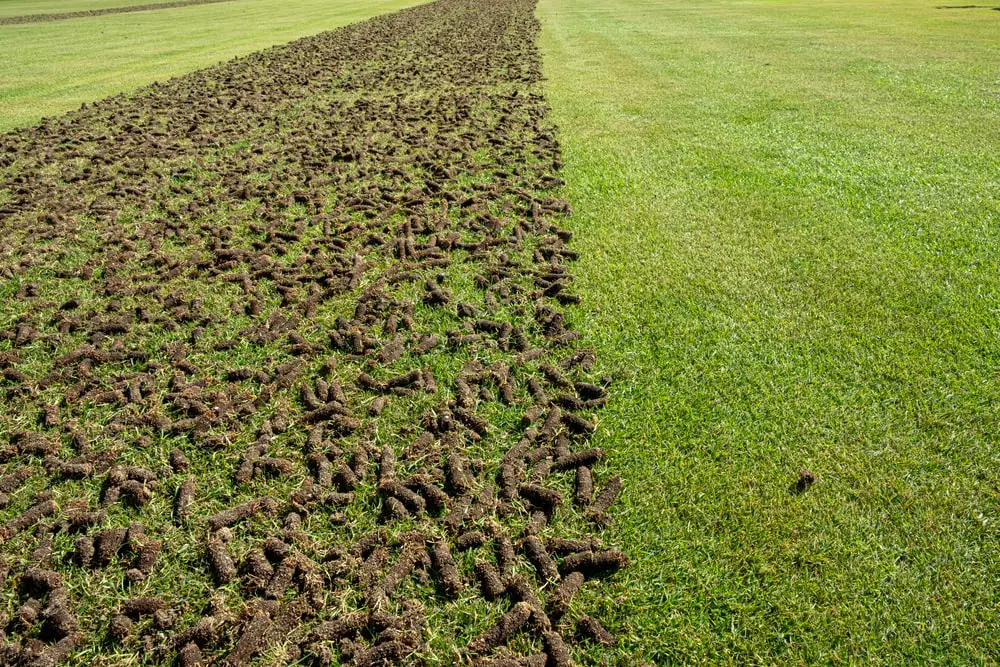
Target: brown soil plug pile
[{"x": 287, "y": 368}]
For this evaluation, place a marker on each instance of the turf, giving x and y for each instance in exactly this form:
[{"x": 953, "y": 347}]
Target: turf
[
  {"x": 50, "y": 68},
  {"x": 228, "y": 298},
  {"x": 787, "y": 215},
  {"x": 33, "y": 7}
]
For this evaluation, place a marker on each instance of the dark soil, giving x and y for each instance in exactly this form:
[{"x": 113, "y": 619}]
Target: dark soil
[
  {"x": 804, "y": 482},
  {"x": 286, "y": 367}
]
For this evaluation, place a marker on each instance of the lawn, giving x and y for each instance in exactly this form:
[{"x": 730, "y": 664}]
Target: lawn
[
  {"x": 31, "y": 7},
  {"x": 787, "y": 215},
  {"x": 50, "y": 68}
]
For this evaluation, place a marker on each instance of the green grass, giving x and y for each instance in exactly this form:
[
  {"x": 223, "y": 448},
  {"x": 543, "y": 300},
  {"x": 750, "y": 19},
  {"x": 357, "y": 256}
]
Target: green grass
[
  {"x": 53, "y": 67},
  {"x": 787, "y": 213},
  {"x": 30, "y": 7}
]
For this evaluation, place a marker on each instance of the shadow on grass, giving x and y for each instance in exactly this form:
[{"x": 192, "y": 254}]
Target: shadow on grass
[{"x": 996, "y": 9}]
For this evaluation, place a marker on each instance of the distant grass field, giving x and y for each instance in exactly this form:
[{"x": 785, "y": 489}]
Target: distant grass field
[
  {"x": 50, "y": 68},
  {"x": 28, "y": 7},
  {"x": 788, "y": 217}
]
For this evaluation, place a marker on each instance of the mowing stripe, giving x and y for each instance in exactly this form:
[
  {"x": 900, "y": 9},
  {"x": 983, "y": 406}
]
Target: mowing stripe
[
  {"x": 62, "y": 16},
  {"x": 286, "y": 362}
]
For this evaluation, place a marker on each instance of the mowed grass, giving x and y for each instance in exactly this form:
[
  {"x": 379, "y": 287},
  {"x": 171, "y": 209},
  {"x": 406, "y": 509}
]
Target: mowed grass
[
  {"x": 788, "y": 219},
  {"x": 30, "y": 7},
  {"x": 787, "y": 213},
  {"x": 53, "y": 67}
]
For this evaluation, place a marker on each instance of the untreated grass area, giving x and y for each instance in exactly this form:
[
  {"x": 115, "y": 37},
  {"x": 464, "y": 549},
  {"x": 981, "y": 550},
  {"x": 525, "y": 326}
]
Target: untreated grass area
[
  {"x": 90, "y": 13},
  {"x": 787, "y": 216},
  {"x": 286, "y": 368},
  {"x": 10, "y": 8}
]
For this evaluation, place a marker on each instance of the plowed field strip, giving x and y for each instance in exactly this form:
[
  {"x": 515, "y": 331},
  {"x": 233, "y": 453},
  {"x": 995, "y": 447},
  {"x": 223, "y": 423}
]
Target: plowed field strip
[{"x": 286, "y": 363}]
